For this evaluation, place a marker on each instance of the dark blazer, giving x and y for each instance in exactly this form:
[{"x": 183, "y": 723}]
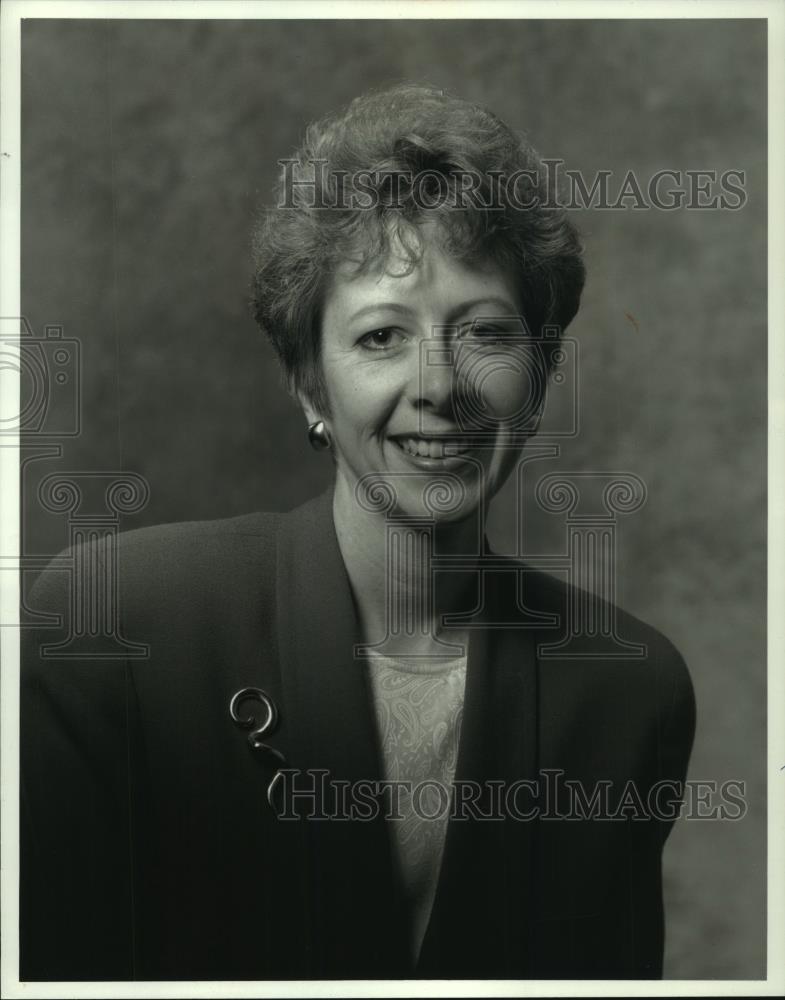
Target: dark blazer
[{"x": 149, "y": 850}]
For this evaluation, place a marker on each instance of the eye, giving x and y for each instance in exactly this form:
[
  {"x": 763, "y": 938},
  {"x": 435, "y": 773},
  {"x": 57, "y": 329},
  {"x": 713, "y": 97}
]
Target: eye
[{"x": 383, "y": 339}]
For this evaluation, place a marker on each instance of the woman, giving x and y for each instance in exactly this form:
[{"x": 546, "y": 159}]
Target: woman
[{"x": 349, "y": 752}]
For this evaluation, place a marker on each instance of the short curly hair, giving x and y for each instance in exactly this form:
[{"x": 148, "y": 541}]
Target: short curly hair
[{"x": 412, "y": 146}]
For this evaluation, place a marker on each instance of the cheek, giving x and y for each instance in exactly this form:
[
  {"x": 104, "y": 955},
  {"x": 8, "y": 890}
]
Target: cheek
[
  {"x": 360, "y": 407},
  {"x": 505, "y": 395},
  {"x": 362, "y": 397}
]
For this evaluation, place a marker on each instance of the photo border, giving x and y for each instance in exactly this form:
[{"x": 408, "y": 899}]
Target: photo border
[{"x": 11, "y": 15}]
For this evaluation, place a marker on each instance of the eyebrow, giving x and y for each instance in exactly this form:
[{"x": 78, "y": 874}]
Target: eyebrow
[{"x": 495, "y": 302}]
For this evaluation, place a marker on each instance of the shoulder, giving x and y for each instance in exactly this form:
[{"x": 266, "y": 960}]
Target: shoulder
[
  {"x": 179, "y": 557},
  {"x": 604, "y": 661},
  {"x": 257, "y": 525},
  {"x": 606, "y": 638},
  {"x": 578, "y": 607}
]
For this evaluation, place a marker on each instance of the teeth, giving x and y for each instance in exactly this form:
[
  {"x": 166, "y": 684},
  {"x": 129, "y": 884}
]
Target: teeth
[{"x": 429, "y": 449}]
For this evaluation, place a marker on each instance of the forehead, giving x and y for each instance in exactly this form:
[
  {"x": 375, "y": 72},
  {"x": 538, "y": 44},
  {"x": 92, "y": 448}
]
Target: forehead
[{"x": 431, "y": 280}]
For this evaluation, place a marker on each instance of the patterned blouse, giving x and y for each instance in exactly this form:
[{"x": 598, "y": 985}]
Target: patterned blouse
[{"x": 418, "y": 704}]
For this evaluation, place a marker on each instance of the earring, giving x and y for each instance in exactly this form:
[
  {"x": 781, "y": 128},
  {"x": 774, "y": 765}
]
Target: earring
[{"x": 318, "y": 436}]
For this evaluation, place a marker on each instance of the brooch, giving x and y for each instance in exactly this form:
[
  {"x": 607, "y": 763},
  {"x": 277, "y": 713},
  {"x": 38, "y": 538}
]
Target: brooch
[{"x": 259, "y": 729}]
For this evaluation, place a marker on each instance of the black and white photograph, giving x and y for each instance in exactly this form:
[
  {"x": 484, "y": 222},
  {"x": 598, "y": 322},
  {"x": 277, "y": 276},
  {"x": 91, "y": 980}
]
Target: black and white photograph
[{"x": 388, "y": 427}]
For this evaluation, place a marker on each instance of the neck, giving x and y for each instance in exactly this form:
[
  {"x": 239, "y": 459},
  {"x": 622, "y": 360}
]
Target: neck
[{"x": 399, "y": 598}]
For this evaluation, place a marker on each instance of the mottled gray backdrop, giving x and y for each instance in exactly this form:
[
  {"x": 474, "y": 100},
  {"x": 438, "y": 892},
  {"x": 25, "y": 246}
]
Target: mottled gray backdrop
[{"x": 147, "y": 147}]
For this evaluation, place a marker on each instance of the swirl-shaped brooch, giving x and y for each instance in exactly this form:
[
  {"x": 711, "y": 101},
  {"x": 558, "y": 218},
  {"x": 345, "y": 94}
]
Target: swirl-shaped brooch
[{"x": 259, "y": 729}]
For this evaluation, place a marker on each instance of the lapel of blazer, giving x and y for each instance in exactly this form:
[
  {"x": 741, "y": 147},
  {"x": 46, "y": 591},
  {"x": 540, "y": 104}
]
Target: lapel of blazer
[
  {"x": 317, "y": 629},
  {"x": 476, "y": 922},
  {"x": 355, "y": 925},
  {"x": 480, "y": 918}
]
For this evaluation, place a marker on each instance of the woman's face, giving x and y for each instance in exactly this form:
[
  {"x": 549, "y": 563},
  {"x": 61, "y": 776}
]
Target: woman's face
[{"x": 425, "y": 380}]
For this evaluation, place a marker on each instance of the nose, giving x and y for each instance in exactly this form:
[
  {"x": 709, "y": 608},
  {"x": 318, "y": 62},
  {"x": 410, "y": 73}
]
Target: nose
[{"x": 432, "y": 384}]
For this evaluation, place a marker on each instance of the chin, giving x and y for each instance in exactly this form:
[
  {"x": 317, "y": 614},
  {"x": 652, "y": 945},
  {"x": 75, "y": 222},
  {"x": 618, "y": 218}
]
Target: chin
[
  {"x": 439, "y": 501},
  {"x": 442, "y": 495}
]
